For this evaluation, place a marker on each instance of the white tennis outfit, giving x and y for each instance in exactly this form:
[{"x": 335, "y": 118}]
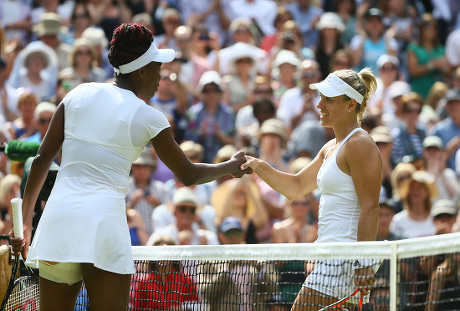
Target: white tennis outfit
[
  {"x": 106, "y": 129},
  {"x": 339, "y": 211}
]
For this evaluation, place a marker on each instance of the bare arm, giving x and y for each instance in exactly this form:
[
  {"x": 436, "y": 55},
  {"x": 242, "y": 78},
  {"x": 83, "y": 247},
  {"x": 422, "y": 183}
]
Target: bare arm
[
  {"x": 47, "y": 152},
  {"x": 364, "y": 164},
  {"x": 291, "y": 186},
  {"x": 193, "y": 173},
  {"x": 436, "y": 284},
  {"x": 415, "y": 69}
]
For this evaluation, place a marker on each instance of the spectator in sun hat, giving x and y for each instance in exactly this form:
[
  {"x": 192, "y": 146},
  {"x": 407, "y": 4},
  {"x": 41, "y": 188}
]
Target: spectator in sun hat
[
  {"x": 449, "y": 129},
  {"x": 47, "y": 31},
  {"x": 330, "y": 27},
  {"x": 434, "y": 162},
  {"x": 211, "y": 123},
  {"x": 284, "y": 68},
  {"x": 36, "y": 67},
  {"x": 241, "y": 30},
  {"x": 185, "y": 207},
  {"x": 415, "y": 220},
  {"x": 444, "y": 214},
  {"x": 98, "y": 41},
  {"x": 388, "y": 71},
  {"x": 240, "y": 81},
  {"x": 299, "y": 104},
  {"x": 273, "y": 138},
  {"x": 144, "y": 194},
  {"x": 231, "y": 231},
  {"x": 42, "y": 117},
  {"x": 394, "y": 118}
]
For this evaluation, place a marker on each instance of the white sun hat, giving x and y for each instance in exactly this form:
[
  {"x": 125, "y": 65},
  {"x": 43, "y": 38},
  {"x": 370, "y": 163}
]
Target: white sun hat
[
  {"x": 333, "y": 86},
  {"x": 153, "y": 54}
]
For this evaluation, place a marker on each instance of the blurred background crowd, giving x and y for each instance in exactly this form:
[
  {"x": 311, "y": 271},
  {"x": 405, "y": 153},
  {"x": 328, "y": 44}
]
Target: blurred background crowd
[{"x": 240, "y": 80}]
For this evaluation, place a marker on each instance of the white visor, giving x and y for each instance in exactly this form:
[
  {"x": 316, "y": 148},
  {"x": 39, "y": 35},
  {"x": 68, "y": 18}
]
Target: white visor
[
  {"x": 151, "y": 55},
  {"x": 333, "y": 86}
]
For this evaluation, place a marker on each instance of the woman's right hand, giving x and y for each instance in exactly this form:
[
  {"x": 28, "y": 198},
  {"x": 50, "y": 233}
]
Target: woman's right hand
[
  {"x": 240, "y": 159},
  {"x": 19, "y": 244},
  {"x": 251, "y": 162}
]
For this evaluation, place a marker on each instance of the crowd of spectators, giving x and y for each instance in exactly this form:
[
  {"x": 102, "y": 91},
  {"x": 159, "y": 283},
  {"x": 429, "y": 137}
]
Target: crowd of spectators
[{"x": 240, "y": 80}]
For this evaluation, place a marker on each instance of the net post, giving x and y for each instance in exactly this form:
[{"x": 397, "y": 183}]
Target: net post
[{"x": 393, "y": 276}]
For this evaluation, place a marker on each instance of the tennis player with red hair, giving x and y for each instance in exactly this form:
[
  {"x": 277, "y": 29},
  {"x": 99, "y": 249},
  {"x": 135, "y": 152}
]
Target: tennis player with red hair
[
  {"x": 102, "y": 128},
  {"x": 347, "y": 171}
]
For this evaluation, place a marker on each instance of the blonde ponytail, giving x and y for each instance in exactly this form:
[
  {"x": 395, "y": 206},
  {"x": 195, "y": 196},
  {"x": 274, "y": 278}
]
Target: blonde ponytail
[{"x": 364, "y": 82}]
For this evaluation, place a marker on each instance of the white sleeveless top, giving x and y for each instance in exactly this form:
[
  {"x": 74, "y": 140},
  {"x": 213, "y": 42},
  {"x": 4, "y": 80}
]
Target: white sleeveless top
[
  {"x": 339, "y": 207},
  {"x": 105, "y": 130}
]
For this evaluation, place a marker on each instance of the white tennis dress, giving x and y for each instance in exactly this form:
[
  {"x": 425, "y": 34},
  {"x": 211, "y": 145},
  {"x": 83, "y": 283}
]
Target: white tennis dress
[
  {"x": 339, "y": 211},
  {"x": 105, "y": 130}
]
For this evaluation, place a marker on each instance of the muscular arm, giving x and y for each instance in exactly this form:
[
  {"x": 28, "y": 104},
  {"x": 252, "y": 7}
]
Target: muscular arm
[
  {"x": 47, "y": 152},
  {"x": 192, "y": 173},
  {"x": 365, "y": 164}
]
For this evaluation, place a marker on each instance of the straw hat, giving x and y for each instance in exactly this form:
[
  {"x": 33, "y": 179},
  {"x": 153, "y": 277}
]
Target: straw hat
[
  {"x": 225, "y": 153},
  {"x": 48, "y": 54},
  {"x": 381, "y": 134},
  {"x": 146, "y": 158},
  {"x": 241, "y": 50},
  {"x": 424, "y": 178},
  {"x": 50, "y": 24},
  {"x": 220, "y": 196},
  {"x": 274, "y": 126}
]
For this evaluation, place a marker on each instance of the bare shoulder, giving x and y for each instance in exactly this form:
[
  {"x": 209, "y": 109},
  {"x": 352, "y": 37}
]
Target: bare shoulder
[{"x": 361, "y": 143}]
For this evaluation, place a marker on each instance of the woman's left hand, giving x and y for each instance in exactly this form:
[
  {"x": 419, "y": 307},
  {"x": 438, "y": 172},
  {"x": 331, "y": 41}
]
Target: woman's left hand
[{"x": 364, "y": 279}]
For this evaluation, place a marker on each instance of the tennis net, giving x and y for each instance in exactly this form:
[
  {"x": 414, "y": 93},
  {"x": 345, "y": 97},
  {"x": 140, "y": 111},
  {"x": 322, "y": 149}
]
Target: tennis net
[{"x": 415, "y": 274}]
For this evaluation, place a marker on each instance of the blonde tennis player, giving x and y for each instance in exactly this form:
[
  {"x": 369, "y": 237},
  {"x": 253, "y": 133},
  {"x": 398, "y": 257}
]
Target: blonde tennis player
[
  {"x": 347, "y": 172},
  {"x": 102, "y": 128}
]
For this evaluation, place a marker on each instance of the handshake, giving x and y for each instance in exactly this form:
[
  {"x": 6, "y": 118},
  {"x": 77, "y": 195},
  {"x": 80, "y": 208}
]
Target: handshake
[{"x": 240, "y": 159}]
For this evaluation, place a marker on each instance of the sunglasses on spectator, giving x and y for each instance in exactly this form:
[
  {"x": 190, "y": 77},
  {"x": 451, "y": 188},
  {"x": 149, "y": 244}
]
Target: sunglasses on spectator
[
  {"x": 81, "y": 15},
  {"x": 186, "y": 208},
  {"x": 241, "y": 30},
  {"x": 300, "y": 203},
  {"x": 263, "y": 91},
  {"x": 83, "y": 52},
  {"x": 211, "y": 90},
  {"x": 233, "y": 232},
  {"x": 413, "y": 110},
  {"x": 388, "y": 68},
  {"x": 44, "y": 120},
  {"x": 309, "y": 75},
  {"x": 245, "y": 60}
]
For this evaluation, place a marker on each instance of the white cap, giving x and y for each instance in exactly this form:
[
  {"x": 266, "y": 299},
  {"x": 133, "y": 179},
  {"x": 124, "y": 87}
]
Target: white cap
[
  {"x": 286, "y": 56},
  {"x": 385, "y": 58},
  {"x": 151, "y": 55},
  {"x": 333, "y": 86},
  {"x": 330, "y": 20},
  {"x": 208, "y": 77},
  {"x": 398, "y": 88}
]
